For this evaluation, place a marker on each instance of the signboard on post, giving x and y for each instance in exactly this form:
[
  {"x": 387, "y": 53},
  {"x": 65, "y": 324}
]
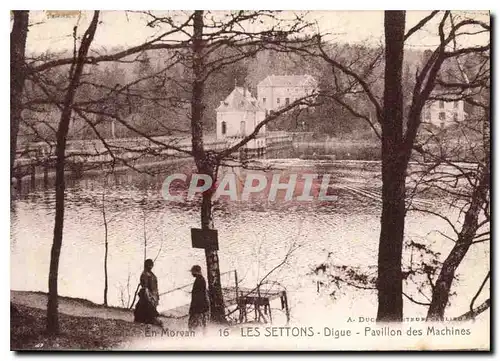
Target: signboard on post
[{"x": 205, "y": 238}]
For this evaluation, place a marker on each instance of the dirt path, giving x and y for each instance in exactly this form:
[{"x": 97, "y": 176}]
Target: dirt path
[{"x": 82, "y": 308}]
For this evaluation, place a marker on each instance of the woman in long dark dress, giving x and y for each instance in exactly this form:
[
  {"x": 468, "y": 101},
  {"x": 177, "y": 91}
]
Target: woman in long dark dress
[{"x": 145, "y": 309}]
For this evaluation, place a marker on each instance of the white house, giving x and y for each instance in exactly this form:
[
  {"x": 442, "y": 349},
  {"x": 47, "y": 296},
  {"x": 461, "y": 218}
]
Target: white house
[
  {"x": 277, "y": 91},
  {"x": 238, "y": 115},
  {"x": 440, "y": 113}
]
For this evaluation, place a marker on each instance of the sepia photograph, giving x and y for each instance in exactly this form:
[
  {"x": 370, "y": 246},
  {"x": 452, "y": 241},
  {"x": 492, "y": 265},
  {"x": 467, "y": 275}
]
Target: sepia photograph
[{"x": 250, "y": 180}]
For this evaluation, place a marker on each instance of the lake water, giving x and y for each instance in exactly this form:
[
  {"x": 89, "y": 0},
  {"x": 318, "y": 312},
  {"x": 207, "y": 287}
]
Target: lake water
[{"x": 253, "y": 238}]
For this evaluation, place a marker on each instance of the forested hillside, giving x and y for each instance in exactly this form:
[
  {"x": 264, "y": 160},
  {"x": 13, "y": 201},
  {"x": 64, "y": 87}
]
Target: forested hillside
[{"x": 150, "y": 91}]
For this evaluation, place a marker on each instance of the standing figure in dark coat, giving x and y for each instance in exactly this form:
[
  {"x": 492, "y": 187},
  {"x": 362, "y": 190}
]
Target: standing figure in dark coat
[
  {"x": 198, "y": 311},
  {"x": 145, "y": 309}
]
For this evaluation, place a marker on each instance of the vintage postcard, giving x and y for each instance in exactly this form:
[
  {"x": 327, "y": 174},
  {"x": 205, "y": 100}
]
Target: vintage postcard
[{"x": 250, "y": 180}]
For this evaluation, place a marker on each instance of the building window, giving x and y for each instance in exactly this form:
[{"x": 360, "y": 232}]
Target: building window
[
  {"x": 442, "y": 116},
  {"x": 277, "y": 100},
  {"x": 442, "y": 124},
  {"x": 441, "y": 104},
  {"x": 223, "y": 128},
  {"x": 242, "y": 128},
  {"x": 428, "y": 114},
  {"x": 263, "y": 100},
  {"x": 455, "y": 104},
  {"x": 455, "y": 117},
  {"x": 287, "y": 101},
  {"x": 267, "y": 113}
]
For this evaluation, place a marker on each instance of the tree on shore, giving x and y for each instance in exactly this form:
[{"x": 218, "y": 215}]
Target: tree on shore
[
  {"x": 210, "y": 33},
  {"x": 389, "y": 281},
  {"x": 466, "y": 185},
  {"x": 18, "y": 36},
  {"x": 75, "y": 74},
  {"x": 106, "y": 244}
]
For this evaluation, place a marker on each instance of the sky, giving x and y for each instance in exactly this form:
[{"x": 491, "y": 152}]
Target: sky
[{"x": 121, "y": 28}]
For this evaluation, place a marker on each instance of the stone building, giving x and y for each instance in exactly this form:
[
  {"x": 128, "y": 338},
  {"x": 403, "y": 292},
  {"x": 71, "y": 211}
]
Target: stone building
[
  {"x": 238, "y": 115},
  {"x": 441, "y": 113},
  {"x": 277, "y": 91}
]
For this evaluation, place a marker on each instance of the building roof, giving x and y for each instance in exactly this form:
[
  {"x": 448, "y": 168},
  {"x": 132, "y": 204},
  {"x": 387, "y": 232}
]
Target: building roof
[
  {"x": 288, "y": 81},
  {"x": 239, "y": 100}
]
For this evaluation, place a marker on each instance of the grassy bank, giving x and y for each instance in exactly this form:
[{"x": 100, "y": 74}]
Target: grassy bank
[
  {"x": 84, "y": 325},
  {"x": 27, "y": 331}
]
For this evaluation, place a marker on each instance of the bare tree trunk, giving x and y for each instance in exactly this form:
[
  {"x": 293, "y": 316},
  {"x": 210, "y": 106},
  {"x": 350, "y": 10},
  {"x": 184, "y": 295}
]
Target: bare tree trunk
[
  {"x": 105, "y": 250},
  {"x": 145, "y": 245},
  {"x": 390, "y": 286},
  {"x": 213, "y": 270},
  {"x": 205, "y": 165},
  {"x": 441, "y": 291},
  {"x": 18, "y": 37},
  {"x": 62, "y": 132}
]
